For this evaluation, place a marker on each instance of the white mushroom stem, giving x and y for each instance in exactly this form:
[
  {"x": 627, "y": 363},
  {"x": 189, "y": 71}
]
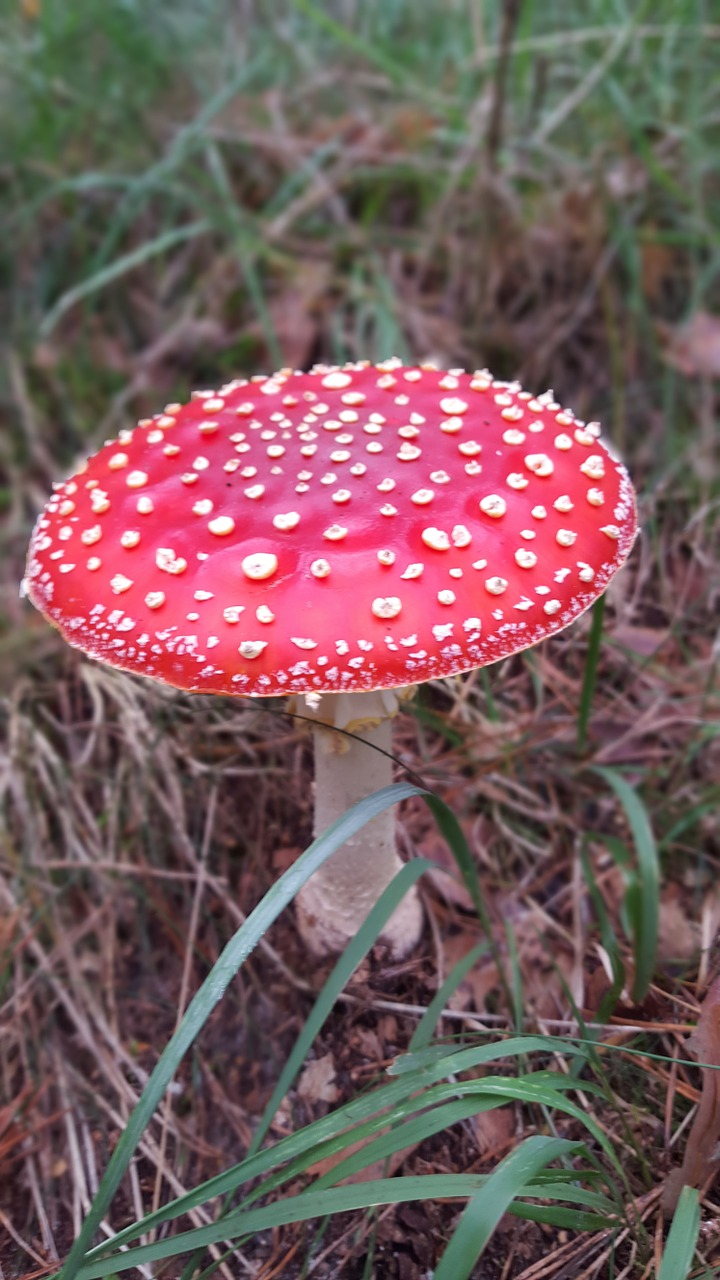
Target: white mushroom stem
[{"x": 333, "y": 904}]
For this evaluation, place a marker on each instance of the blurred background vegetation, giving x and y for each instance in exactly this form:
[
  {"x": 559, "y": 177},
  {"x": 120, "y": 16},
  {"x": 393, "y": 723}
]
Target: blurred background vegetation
[{"x": 201, "y": 189}]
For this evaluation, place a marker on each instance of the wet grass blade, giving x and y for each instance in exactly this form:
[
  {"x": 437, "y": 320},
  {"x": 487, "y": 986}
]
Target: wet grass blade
[
  {"x": 331, "y": 1200},
  {"x": 482, "y": 1214},
  {"x": 436, "y": 1061},
  {"x": 417, "y": 1089}
]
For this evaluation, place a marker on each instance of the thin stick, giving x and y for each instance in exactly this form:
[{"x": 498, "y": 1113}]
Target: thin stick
[
  {"x": 510, "y": 17},
  {"x": 22, "y": 1244}
]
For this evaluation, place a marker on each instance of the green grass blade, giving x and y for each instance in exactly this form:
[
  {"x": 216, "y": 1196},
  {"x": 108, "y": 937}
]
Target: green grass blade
[
  {"x": 352, "y": 956},
  {"x": 454, "y": 835},
  {"x": 212, "y": 990},
  {"x": 166, "y": 172},
  {"x": 609, "y": 941},
  {"x": 348, "y": 38},
  {"x": 590, "y": 672},
  {"x": 120, "y": 267},
  {"x": 359, "y": 1119},
  {"x": 411, "y": 1133},
  {"x": 679, "y": 1248},
  {"x": 323, "y": 1138},
  {"x": 564, "y": 1187},
  {"x": 643, "y": 896},
  {"x": 482, "y": 1214},
  {"x": 515, "y": 981},
  {"x": 558, "y": 1216},
  {"x": 427, "y": 1025},
  {"x": 246, "y": 243},
  {"x": 319, "y": 1204},
  {"x": 438, "y": 1061}
]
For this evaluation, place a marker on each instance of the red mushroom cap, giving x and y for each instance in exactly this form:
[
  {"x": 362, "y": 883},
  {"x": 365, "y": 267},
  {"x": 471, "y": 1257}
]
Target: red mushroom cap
[{"x": 345, "y": 529}]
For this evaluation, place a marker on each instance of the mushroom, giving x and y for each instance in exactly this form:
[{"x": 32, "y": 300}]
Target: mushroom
[{"x": 339, "y": 534}]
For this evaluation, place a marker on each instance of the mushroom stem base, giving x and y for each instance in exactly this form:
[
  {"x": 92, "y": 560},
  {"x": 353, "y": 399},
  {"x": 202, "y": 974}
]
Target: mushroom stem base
[{"x": 334, "y": 903}]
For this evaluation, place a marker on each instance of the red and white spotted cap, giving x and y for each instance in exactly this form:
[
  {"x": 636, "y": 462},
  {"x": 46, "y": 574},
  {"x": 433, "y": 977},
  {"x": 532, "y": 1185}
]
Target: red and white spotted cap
[{"x": 345, "y": 529}]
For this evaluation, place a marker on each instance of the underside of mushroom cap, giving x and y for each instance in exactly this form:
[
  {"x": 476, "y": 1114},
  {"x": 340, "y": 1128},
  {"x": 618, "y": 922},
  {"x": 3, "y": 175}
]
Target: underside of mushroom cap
[{"x": 344, "y": 529}]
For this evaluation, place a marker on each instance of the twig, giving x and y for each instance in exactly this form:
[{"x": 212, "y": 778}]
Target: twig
[
  {"x": 510, "y": 17},
  {"x": 15, "y": 1235}
]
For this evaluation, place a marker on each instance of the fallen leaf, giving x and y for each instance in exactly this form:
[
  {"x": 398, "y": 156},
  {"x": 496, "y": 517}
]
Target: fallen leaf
[
  {"x": 700, "y": 1163},
  {"x": 644, "y": 641},
  {"x": 546, "y": 964},
  {"x": 445, "y": 881},
  {"x": 658, "y": 264},
  {"x": 387, "y": 1029},
  {"x": 493, "y": 1130},
  {"x": 317, "y": 1082},
  {"x": 678, "y": 935},
  {"x": 694, "y": 347},
  {"x": 377, "y": 1169},
  {"x": 476, "y": 986},
  {"x": 367, "y": 1043}
]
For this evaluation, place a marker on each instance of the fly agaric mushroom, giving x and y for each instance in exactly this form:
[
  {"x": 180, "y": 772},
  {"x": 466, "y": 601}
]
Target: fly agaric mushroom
[{"x": 337, "y": 534}]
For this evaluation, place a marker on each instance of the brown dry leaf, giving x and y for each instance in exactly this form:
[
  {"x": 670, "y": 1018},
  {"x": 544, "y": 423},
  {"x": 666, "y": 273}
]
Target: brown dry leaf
[
  {"x": 658, "y": 262},
  {"x": 410, "y": 126},
  {"x": 584, "y": 216},
  {"x": 387, "y": 1029},
  {"x": 403, "y": 127},
  {"x": 283, "y": 1121},
  {"x": 474, "y": 989},
  {"x": 546, "y": 959},
  {"x": 493, "y": 1130},
  {"x": 317, "y": 1082},
  {"x": 700, "y": 1163},
  {"x": 678, "y": 935},
  {"x": 644, "y": 641},
  {"x": 378, "y": 1169},
  {"x": 367, "y": 1043},
  {"x": 694, "y": 347},
  {"x": 446, "y": 880}
]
